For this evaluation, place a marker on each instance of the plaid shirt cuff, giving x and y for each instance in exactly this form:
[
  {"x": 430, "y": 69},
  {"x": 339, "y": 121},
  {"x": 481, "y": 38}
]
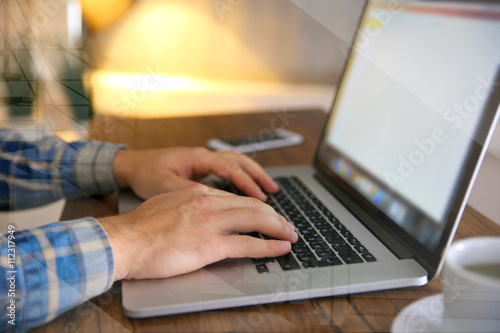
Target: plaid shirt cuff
[
  {"x": 94, "y": 167},
  {"x": 58, "y": 267}
]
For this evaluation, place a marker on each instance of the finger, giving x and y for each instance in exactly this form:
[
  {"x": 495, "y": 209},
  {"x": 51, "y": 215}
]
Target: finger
[
  {"x": 240, "y": 246},
  {"x": 219, "y": 202},
  {"x": 254, "y": 219},
  {"x": 231, "y": 170},
  {"x": 176, "y": 183},
  {"x": 255, "y": 170}
]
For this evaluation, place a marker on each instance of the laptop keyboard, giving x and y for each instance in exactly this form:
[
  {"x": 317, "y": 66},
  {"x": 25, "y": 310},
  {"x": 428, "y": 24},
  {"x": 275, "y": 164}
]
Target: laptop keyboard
[{"x": 323, "y": 239}]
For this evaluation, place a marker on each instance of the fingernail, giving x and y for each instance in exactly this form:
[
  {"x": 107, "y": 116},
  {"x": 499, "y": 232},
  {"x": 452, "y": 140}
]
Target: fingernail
[
  {"x": 276, "y": 185},
  {"x": 290, "y": 225},
  {"x": 284, "y": 244},
  {"x": 294, "y": 235},
  {"x": 263, "y": 196}
]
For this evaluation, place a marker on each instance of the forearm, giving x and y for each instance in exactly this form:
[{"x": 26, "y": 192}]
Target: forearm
[
  {"x": 55, "y": 268},
  {"x": 33, "y": 174}
]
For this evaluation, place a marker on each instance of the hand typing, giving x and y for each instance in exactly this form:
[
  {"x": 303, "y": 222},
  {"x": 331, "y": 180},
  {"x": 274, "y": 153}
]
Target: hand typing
[
  {"x": 152, "y": 172},
  {"x": 175, "y": 233}
]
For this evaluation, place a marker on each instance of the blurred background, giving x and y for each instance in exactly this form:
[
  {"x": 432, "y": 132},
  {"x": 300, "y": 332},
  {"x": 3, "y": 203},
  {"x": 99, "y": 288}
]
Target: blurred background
[
  {"x": 172, "y": 57},
  {"x": 230, "y": 55},
  {"x": 177, "y": 58}
]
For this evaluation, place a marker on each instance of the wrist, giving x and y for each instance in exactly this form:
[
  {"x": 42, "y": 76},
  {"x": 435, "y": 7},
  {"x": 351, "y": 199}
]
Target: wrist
[
  {"x": 121, "y": 167},
  {"x": 113, "y": 226}
]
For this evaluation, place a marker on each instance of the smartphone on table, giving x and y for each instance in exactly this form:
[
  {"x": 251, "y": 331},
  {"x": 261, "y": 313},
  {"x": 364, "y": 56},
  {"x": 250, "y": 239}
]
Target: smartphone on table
[{"x": 261, "y": 141}]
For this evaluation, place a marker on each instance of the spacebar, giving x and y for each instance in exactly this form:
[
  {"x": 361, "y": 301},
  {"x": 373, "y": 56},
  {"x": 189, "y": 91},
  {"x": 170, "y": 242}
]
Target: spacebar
[{"x": 288, "y": 262}]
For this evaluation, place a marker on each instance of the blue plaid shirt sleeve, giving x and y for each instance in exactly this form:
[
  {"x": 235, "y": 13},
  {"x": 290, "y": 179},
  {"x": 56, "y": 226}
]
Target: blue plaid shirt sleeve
[
  {"x": 54, "y": 268},
  {"x": 36, "y": 173},
  {"x": 58, "y": 266}
]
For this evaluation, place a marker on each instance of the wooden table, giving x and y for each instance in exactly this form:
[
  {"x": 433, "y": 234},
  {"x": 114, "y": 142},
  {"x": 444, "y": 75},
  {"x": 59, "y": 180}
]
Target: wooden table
[{"x": 368, "y": 312}]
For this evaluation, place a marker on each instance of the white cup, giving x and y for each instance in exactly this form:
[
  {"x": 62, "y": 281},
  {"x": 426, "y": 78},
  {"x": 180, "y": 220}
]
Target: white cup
[{"x": 471, "y": 279}]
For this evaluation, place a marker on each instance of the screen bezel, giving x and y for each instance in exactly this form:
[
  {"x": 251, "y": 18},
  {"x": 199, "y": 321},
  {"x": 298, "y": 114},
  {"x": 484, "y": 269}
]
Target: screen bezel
[{"x": 373, "y": 218}]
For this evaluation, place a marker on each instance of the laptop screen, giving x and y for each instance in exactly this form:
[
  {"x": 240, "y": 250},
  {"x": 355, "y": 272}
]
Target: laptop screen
[{"x": 411, "y": 105}]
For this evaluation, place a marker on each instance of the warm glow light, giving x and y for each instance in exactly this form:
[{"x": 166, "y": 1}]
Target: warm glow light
[
  {"x": 178, "y": 37},
  {"x": 157, "y": 96},
  {"x": 148, "y": 82},
  {"x": 99, "y": 14},
  {"x": 179, "y": 58}
]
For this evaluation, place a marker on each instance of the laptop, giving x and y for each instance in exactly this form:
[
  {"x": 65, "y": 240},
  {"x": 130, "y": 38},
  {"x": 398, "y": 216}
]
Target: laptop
[{"x": 416, "y": 107}]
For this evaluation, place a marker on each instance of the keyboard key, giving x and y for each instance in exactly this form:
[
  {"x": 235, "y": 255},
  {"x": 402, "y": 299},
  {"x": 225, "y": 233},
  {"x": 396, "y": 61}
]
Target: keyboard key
[
  {"x": 257, "y": 261},
  {"x": 303, "y": 224},
  {"x": 325, "y": 253},
  {"x": 335, "y": 238},
  {"x": 333, "y": 261},
  {"x": 329, "y": 215},
  {"x": 262, "y": 269},
  {"x": 360, "y": 248},
  {"x": 262, "y": 261},
  {"x": 293, "y": 213},
  {"x": 310, "y": 264},
  {"x": 346, "y": 233},
  {"x": 288, "y": 262},
  {"x": 340, "y": 227},
  {"x": 307, "y": 230},
  {"x": 321, "y": 245},
  {"x": 350, "y": 257},
  {"x": 340, "y": 246},
  {"x": 315, "y": 217},
  {"x": 297, "y": 248},
  {"x": 330, "y": 236},
  {"x": 306, "y": 256},
  {"x": 300, "y": 241},
  {"x": 353, "y": 240},
  {"x": 312, "y": 238},
  {"x": 369, "y": 257},
  {"x": 326, "y": 231},
  {"x": 320, "y": 224}
]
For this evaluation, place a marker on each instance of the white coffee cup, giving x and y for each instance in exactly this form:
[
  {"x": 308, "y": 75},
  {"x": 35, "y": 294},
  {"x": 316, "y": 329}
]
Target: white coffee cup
[{"x": 471, "y": 279}]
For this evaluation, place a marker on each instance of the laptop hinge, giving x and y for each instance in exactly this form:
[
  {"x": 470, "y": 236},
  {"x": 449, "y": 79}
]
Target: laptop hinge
[{"x": 382, "y": 232}]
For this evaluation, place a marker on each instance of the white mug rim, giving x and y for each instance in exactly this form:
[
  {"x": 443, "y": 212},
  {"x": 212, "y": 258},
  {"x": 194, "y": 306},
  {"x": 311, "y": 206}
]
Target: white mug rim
[{"x": 456, "y": 253}]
